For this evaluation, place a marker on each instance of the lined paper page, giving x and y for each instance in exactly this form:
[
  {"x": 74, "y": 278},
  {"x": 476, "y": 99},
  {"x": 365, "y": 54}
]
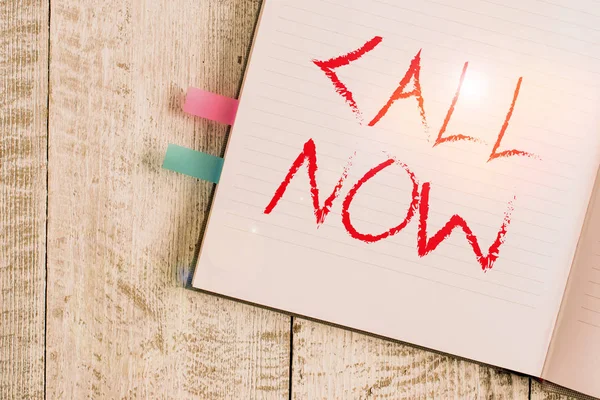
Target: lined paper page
[
  {"x": 573, "y": 357},
  {"x": 526, "y": 192}
]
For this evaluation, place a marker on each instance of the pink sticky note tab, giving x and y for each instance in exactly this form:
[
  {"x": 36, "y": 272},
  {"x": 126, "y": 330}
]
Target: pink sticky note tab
[{"x": 211, "y": 106}]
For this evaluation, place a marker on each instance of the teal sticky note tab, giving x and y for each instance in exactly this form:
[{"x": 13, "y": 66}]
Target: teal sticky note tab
[{"x": 193, "y": 163}]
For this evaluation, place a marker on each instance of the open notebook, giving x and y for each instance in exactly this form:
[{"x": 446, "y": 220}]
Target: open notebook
[{"x": 424, "y": 171}]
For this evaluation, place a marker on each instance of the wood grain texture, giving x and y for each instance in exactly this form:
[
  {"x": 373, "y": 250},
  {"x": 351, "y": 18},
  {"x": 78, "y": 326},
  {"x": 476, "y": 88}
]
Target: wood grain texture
[
  {"x": 23, "y": 149},
  {"x": 123, "y": 233},
  {"x": 331, "y": 363}
]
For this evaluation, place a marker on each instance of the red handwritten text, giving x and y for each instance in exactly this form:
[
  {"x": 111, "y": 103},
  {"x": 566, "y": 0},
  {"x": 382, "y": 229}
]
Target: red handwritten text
[
  {"x": 509, "y": 153},
  {"x": 413, "y": 73},
  {"x": 425, "y": 246},
  {"x": 329, "y": 65},
  {"x": 419, "y": 201},
  {"x": 454, "y": 138},
  {"x": 309, "y": 154},
  {"x": 365, "y": 237}
]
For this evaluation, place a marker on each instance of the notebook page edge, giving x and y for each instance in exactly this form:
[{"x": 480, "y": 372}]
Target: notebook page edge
[{"x": 564, "y": 376}]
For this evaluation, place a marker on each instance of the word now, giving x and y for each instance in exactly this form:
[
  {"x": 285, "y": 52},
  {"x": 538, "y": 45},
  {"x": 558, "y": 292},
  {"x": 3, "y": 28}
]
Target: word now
[
  {"x": 413, "y": 74},
  {"x": 419, "y": 204}
]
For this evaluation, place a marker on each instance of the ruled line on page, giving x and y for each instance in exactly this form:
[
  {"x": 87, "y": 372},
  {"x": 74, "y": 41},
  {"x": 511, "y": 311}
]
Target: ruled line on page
[
  {"x": 576, "y": 96},
  {"x": 445, "y": 101},
  {"x": 569, "y": 8},
  {"x": 327, "y": 156},
  {"x": 440, "y": 171},
  {"x": 246, "y": 176},
  {"x": 494, "y": 102},
  {"x": 407, "y": 235},
  {"x": 520, "y": 24},
  {"x": 420, "y": 26},
  {"x": 393, "y": 146},
  {"x": 589, "y": 323},
  {"x": 534, "y": 183},
  {"x": 408, "y": 53},
  {"x": 432, "y": 212},
  {"x": 531, "y": 82},
  {"x": 589, "y": 309},
  {"x": 502, "y": 271},
  {"x": 319, "y": 84},
  {"x": 416, "y": 137},
  {"x": 541, "y": 15},
  {"x": 533, "y": 210},
  {"x": 393, "y": 256},
  {"x": 455, "y": 22},
  {"x": 509, "y": 21},
  {"x": 462, "y": 149},
  {"x": 383, "y": 267},
  {"x": 443, "y": 172},
  {"x": 480, "y": 224},
  {"x": 304, "y": 121},
  {"x": 485, "y": 236},
  {"x": 402, "y": 233},
  {"x": 395, "y": 244},
  {"x": 506, "y": 245},
  {"x": 480, "y": 27},
  {"x": 497, "y": 59},
  {"x": 420, "y": 137}
]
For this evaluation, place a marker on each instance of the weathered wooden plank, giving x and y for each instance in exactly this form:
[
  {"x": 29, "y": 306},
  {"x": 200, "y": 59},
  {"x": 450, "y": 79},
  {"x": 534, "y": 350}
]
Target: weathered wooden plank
[
  {"x": 332, "y": 363},
  {"x": 23, "y": 150},
  {"x": 123, "y": 233}
]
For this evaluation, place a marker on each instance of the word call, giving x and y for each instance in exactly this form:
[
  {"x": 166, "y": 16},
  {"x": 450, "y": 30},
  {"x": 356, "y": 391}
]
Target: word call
[
  {"x": 419, "y": 201},
  {"x": 413, "y": 74}
]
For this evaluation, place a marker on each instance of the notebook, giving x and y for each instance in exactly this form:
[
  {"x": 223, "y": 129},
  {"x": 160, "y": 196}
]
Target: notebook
[{"x": 423, "y": 171}]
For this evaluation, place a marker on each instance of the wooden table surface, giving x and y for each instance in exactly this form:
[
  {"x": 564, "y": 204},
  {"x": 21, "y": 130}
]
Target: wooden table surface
[{"x": 97, "y": 241}]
